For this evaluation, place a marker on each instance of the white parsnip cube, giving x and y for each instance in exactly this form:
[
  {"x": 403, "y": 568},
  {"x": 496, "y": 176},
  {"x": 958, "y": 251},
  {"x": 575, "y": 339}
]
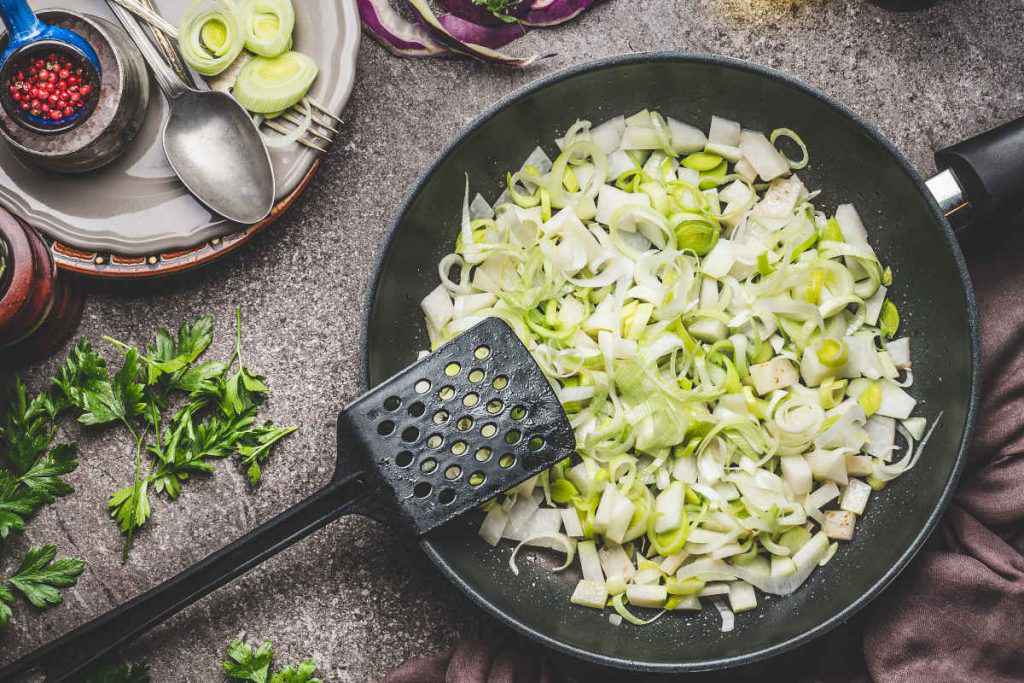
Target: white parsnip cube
[
  {"x": 589, "y": 594},
  {"x": 741, "y": 596},
  {"x": 855, "y": 497},
  {"x": 839, "y": 524},
  {"x": 778, "y": 373}
]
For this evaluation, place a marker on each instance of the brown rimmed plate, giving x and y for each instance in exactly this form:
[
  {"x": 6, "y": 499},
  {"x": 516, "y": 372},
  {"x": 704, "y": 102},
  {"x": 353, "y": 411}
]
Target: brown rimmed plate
[{"x": 133, "y": 219}]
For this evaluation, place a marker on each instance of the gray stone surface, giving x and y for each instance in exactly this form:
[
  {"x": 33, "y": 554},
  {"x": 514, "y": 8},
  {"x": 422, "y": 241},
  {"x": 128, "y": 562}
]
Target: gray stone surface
[{"x": 352, "y": 595}]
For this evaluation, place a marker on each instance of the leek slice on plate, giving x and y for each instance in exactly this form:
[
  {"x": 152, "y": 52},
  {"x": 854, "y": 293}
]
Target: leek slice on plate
[
  {"x": 268, "y": 26},
  {"x": 271, "y": 85},
  {"x": 211, "y": 36}
]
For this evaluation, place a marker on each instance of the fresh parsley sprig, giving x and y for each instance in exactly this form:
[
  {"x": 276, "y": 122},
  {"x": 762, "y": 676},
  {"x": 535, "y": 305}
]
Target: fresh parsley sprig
[
  {"x": 246, "y": 664},
  {"x": 31, "y": 471},
  {"x": 182, "y": 412}
]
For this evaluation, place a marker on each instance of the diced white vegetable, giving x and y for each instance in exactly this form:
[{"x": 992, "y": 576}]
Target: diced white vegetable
[
  {"x": 708, "y": 329},
  {"x": 640, "y": 138},
  {"x": 781, "y": 198},
  {"x": 727, "y": 152},
  {"x": 526, "y": 487},
  {"x": 855, "y": 497},
  {"x": 797, "y": 474},
  {"x": 895, "y": 402},
  {"x": 544, "y": 522},
  {"x": 778, "y": 373},
  {"x": 584, "y": 477},
  {"x": 471, "y": 303},
  {"x": 615, "y": 620},
  {"x": 647, "y": 596},
  {"x": 851, "y": 225},
  {"x": 812, "y": 370},
  {"x": 618, "y": 163},
  {"x": 438, "y": 307},
  {"x": 672, "y": 563},
  {"x": 613, "y": 515},
  {"x": 615, "y": 584},
  {"x": 590, "y": 562},
  {"x": 608, "y": 135},
  {"x": 782, "y": 566},
  {"x": 862, "y": 358},
  {"x": 615, "y": 561},
  {"x": 823, "y": 495},
  {"x": 520, "y": 514},
  {"x": 916, "y": 426},
  {"x": 610, "y": 199},
  {"x": 685, "y": 470},
  {"x": 719, "y": 260},
  {"x": 571, "y": 521},
  {"x": 689, "y": 602},
  {"x": 685, "y": 138},
  {"x": 858, "y": 465},
  {"x": 839, "y": 524},
  {"x": 724, "y": 132},
  {"x": 881, "y": 436},
  {"x": 873, "y": 305},
  {"x": 713, "y": 589},
  {"x": 828, "y": 465},
  {"x": 762, "y": 155},
  {"x": 736, "y": 192},
  {"x": 590, "y": 594},
  {"x": 899, "y": 352},
  {"x": 668, "y": 508},
  {"x": 494, "y": 525},
  {"x": 708, "y": 293},
  {"x": 480, "y": 208},
  {"x": 742, "y": 597},
  {"x": 746, "y": 171}
]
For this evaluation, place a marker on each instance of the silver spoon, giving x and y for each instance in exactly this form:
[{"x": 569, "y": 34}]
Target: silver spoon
[{"x": 212, "y": 143}]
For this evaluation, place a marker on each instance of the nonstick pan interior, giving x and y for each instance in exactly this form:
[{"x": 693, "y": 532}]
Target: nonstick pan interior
[{"x": 850, "y": 163}]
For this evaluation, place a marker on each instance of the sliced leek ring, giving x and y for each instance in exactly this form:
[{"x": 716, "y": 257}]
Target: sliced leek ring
[
  {"x": 211, "y": 36},
  {"x": 270, "y": 85},
  {"x": 268, "y": 26}
]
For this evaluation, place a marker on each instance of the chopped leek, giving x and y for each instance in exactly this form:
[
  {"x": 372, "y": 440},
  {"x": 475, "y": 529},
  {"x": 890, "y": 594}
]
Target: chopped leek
[
  {"x": 212, "y": 36},
  {"x": 268, "y": 26},
  {"x": 719, "y": 346},
  {"x": 268, "y": 86}
]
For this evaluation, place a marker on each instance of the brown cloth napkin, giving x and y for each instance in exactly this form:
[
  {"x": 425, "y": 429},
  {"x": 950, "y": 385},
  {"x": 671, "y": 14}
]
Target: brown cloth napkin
[{"x": 956, "y": 614}]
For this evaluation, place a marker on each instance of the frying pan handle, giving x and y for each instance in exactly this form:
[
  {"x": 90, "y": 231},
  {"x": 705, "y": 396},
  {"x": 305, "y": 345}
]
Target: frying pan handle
[
  {"x": 66, "y": 658},
  {"x": 989, "y": 169}
]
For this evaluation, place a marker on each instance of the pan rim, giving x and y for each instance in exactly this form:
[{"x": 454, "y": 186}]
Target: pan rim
[{"x": 941, "y": 504}]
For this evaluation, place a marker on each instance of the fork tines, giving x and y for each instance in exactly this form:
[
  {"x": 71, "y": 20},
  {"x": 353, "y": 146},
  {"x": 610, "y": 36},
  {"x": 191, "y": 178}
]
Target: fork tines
[{"x": 320, "y": 133}]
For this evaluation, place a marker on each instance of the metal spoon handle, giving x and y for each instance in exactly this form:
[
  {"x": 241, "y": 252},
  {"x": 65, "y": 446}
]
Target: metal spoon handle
[{"x": 165, "y": 77}]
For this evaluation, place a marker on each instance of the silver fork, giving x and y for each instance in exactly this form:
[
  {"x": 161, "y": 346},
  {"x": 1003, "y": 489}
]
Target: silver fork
[{"x": 318, "y": 136}]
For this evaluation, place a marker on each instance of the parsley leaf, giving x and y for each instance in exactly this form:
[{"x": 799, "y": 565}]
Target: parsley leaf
[
  {"x": 6, "y": 598},
  {"x": 83, "y": 375},
  {"x": 303, "y": 673},
  {"x": 43, "y": 478},
  {"x": 39, "y": 577},
  {"x": 16, "y": 503},
  {"x": 255, "y": 448},
  {"x": 499, "y": 8},
  {"x": 246, "y": 664},
  {"x": 120, "y": 673},
  {"x": 25, "y": 431}
]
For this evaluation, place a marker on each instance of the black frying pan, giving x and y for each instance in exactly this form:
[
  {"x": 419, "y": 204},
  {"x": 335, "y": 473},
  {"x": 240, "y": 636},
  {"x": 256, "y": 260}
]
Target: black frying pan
[{"x": 850, "y": 162}]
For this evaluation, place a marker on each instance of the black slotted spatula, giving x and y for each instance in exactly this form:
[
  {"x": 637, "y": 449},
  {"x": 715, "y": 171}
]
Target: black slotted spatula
[{"x": 471, "y": 420}]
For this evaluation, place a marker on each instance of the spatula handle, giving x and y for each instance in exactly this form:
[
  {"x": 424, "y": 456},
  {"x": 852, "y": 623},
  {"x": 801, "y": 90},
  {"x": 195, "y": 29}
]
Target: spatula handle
[{"x": 66, "y": 658}]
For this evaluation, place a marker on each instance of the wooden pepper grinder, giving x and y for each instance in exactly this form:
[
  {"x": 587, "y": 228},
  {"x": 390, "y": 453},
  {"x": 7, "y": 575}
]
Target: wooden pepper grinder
[{"x": 39, "y": 309}]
